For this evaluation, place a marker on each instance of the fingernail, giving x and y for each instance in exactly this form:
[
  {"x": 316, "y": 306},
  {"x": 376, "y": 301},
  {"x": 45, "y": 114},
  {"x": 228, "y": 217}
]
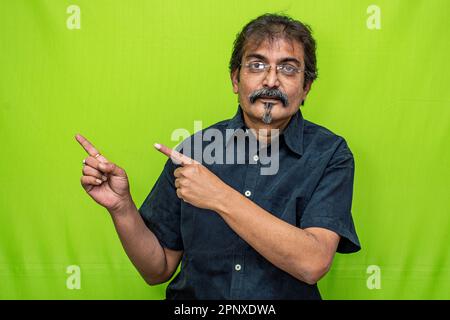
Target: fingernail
[
  {"x": 104, "y": 178},
  {"x": 98, "y": 181},
  {"x": 157, "y": 146}
]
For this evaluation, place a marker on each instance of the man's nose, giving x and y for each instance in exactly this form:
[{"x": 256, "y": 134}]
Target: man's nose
[{"x": 271, "y": 79}]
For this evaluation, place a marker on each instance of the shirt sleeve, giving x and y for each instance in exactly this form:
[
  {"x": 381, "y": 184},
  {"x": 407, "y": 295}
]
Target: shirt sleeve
[
  {"x": 330, "y": 204},
  {"x": 161, "y": 210}
]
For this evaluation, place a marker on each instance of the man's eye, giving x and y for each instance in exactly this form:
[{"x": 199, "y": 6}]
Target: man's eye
[
  {"x": 257, "y": 65},
  {"x": 288, "y": 68}
]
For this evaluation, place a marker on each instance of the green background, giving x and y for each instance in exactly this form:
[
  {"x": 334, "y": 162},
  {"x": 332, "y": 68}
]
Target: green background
[{"x": 137, "y": 70}]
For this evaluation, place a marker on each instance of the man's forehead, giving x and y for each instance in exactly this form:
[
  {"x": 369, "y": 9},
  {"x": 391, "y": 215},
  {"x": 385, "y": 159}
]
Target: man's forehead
[{"x": 277, "y": 48}]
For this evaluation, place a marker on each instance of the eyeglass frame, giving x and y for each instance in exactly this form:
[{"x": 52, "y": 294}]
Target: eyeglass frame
[{"x": 268, "y": 66}]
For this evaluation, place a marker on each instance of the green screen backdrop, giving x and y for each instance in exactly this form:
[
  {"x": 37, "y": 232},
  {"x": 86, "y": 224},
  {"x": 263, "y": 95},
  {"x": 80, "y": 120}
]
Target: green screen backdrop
[{"x": 126, "y": 74}]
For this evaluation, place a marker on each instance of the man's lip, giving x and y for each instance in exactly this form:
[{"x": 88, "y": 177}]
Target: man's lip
[{"x": 269, "y": 100}]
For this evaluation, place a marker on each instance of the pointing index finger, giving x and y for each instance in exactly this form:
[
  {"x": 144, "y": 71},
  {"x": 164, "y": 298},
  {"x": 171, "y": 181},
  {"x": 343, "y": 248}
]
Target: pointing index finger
[
  {"x": 88, "y": 147},
  {"x": 179, "y": 158}
]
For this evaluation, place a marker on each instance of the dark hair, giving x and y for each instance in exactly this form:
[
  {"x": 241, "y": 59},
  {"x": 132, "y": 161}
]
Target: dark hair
[{"x": 276, "y": 26}]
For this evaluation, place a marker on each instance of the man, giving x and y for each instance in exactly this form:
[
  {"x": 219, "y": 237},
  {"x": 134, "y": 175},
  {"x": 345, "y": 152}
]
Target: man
[{"x": 240, "y": 234}]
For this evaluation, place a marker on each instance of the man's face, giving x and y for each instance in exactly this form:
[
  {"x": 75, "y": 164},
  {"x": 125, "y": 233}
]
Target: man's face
[{"x": 245, "y": 82}]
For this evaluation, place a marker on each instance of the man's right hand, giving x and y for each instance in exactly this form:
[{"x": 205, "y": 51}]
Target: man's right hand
[{"x": 104, "y": 181}]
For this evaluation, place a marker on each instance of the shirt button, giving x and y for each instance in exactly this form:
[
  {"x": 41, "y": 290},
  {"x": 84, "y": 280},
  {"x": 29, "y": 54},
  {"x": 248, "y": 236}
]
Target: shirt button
[
  {"x": 248, "y": 193},
  {"x": 237, "y": 267},
  {"x": 255, "y": 157}
]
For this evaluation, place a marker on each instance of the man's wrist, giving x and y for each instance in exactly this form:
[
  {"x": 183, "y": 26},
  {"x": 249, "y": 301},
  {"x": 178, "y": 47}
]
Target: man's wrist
[
  {"x": 124, "y": 209},
  {"x": 225, "y": 201}
]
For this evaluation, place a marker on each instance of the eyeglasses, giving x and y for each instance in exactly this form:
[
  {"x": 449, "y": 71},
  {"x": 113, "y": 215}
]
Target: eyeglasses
[{"x": 260, "y": 67}]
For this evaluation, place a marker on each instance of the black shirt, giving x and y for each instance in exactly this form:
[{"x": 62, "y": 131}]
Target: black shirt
[{"x": 312, "y": 188}]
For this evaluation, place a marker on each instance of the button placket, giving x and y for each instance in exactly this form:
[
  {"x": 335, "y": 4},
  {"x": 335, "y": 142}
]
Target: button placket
[
  {"x": 237, "y": 278},
  {"x": 251, "y": 179}
]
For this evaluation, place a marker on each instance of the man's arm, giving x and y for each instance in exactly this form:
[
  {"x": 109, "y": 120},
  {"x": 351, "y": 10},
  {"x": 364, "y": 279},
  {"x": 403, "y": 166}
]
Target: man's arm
[
  {"x": 155, "y": 263},
  {"x": 108, "y": 185},
  {"x": 306, "y": 254}
]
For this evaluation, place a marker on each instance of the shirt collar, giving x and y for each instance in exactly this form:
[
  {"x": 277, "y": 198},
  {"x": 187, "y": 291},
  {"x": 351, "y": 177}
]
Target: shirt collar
[
  {"x": 237, "y": 122},
  {"x": 293, "y": 133}
]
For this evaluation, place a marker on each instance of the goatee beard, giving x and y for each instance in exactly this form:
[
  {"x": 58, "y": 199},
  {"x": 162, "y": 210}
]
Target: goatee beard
[{"x": 267, "y": 116}]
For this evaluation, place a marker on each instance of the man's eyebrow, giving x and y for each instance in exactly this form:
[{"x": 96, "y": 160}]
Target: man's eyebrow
[
  {"x": 256, "y": 56},
  {"x": 283, "y": 60},
  {"x": 290, "y": 59}
]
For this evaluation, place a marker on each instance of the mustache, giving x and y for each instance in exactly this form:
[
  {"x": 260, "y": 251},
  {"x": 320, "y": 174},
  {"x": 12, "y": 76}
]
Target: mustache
[{"x": 269, "y": 93}]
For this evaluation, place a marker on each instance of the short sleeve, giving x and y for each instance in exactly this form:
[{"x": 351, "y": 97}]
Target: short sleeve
[
  {"x": 330, "y": 204},
  {"x": 161, "y": 210}
]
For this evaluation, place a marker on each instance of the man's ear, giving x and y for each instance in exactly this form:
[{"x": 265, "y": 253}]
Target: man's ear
[
  {"x": 305, "y": 92},
  {"x": 235, "y": 80},
  {"x": 306, "y": 89}
]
